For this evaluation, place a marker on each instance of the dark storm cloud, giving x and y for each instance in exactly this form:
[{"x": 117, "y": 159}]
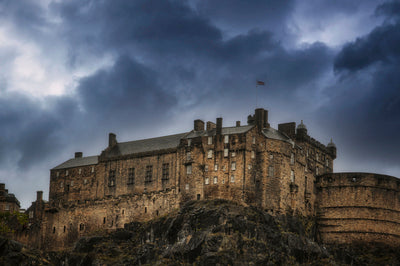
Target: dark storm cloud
[
  {"x": 126, "y": 91},
  {"x": 30, "y": 133},
  {"x": 366, "y": 99}
]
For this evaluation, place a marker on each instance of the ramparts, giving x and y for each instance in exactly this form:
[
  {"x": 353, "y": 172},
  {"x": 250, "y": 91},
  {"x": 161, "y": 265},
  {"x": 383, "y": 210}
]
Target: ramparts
[{"x": 355, "y": 207}]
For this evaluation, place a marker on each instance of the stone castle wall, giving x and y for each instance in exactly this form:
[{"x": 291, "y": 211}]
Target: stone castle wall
[{"x": 358, "y": 207}]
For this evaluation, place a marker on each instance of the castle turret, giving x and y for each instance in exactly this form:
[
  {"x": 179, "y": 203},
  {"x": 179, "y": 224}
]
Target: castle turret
[
  {"x": 332, "y": 149},
  {"x": 301, "y": 132}
]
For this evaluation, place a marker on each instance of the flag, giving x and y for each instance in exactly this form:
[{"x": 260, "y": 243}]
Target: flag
[{"x": 261, "y": 83}]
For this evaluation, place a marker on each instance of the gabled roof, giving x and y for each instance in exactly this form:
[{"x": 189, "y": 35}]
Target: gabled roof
[
  {"x": 146, "y": 145},
  {"x": 76, "y": 162},
  {"x": 272, "y": 133},
  {"x": 225, "y": 131}
]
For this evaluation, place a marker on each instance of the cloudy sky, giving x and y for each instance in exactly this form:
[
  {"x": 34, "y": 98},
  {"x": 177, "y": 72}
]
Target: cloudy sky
[{"x": 73, "y": 71}]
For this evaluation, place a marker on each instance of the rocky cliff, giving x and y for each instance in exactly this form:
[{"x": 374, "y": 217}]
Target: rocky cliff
[{"x": 214, "y": 232}]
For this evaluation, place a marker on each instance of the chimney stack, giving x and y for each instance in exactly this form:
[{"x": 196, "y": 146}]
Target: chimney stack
[
  {"x": 259, "y": 118},
  {"x": 39, "y": 196},
  {"x": 219, "y": 126},
  {"x": 210, "y": 125},
  {"x": 112, "y": 140},
  {"x": 238, "y": 123},
  {"x": 266, "y": 124},
  {"x": 198, "y": 125},
  {"x": 78, "y": 154}
]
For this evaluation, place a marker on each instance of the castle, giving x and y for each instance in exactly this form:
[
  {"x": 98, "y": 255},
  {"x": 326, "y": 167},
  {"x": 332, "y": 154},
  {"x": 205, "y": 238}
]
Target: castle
[{"x": 282, "y": 171}]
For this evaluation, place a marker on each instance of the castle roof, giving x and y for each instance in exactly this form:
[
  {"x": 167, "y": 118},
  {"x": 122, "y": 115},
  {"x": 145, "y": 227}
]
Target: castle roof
[
  {"x": 76, "y": 162},
  {"x": 272, "y": 133},
  {"x": 225, "y": 131},
  {"x": 146, "y": 145}
]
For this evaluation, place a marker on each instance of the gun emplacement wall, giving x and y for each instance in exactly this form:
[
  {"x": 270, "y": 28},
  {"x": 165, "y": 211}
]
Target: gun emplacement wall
[{"x": 358, "y": 207}]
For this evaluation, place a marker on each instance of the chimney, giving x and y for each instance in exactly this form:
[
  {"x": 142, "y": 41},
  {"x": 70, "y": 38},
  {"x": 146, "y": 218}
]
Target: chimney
[
  {"x": 112, "y": 140},
  {"x": 289, "y": 129},
  {"x": 266, "y": 124},
  {"x": 219, "y": 126},
  {"x": 238, "y": 123},
  {"x": 259, "y": 118},
  {"x": 210, "y": 125},
  {"x": 198, "y": 125},
  {"x": 39, "y": 196},
  {"x": 78, "y": 154},
  {"x": 2, "y": 186}
]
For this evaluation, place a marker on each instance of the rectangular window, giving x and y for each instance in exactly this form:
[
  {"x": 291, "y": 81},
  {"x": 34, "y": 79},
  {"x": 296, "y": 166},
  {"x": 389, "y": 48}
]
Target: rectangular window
[
  {"x": 226, "y": 152},
  {"x": 233, "y": 154},
  {"x": 85, "y": 181},
  {"x": 327, "y": 163},
  {"x": 131, "y": 176},
  {"x": 80, "y": 171},
  {"x": 72, "y": 183},
  {"x": 62, "y": 184},
  {"x": 209, "y": 140},
  {"x": 224, "y": 168},
  {"x": 207, "y": 181},
  {"x": 210, "y": 154},
  {"x": 206, "y": 168},
  {"x": 292, "y": 176},
  {"x": 215, "y": 180},
  {"x": 149, "y": 174},
  {"x": 188, "y": 156},
  {"x": 165, "y": 172},
  {"x": 233, "y": 166},
  {"x": 317, "y": 171},
  {"x": 292, "y": 158},
  {"x": 66, "y": 173},
  {"x": 226, "y": 139},
  {"x": 92, "y": 169},
  {"x": 187, "y": 186},
  {"x": 189, "y": 169},
  {"x": 232, "y": 179},
  {"x": 253, "y": 155},
  {"x": 317, "y": 157},
  {"x": 215, "y": 167},
  {"x": 111, "y": 178},
  {"x": 189, "y": 142},
  {"x": 271, "y": 171},
  {"x": 254, "y": 140},
  {"x": 30, "y": 214},
  {"x": 7, "y": 207},
  {"x": 58, "y": 174}
]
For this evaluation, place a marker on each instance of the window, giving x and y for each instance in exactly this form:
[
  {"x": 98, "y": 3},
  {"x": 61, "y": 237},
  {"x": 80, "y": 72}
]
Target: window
[
  {"x": 233, "y": 154},
  {"x": 149, "y": 174},
  {"x": 317, "y": 170},
  {"x": 165, "y": 172},
  {"x": 62, "y": 184},
  {"x": 210, "y": 154},
  {"x": 84, "y": 181},
  {"x": 226, "y": 139},
  {"x": 206, "y": 168},
  {"x": 131, "y": 176},
  {"x": 66, "y": 173},
  {"x": 7, "y": 207},
  {"x": 80, "y": 171},
  {"x": 81, "y": 227},
  {"x": 253, "y": 155},
  {"x": 189, "y": 169},
  {"x": 58, "y": 174},
  {"x": 215, "y": 167},
  {"x": 317, "y": 157},
  {"x": 233, "y": 166},
  {"x": 224, "y": 168},
  {"x": 111, "y": 178},
  {"x": 187, "y": 186},
  {"x": 271, "y": 156},
  {"x": 271, "y": 171},
  {"x": 209, "y": 140},
  {"x": 189, "y": 142},
  {"x": 232, "y": 179},
  {"x": 292, "y": 176},
  {"x": 188, "y": 156},
  {"x": 249, "y": 166},
  {"x": 292, "y": 158},
  {"x": 92, "y": 169},
  {"x": 253, "y": 140},
  {"x": 207, "y": 181},
  {"x": 215, "y": 180},
  {"x": 72, "y": 183},
  {"x": 327, "y": 163},
  {"x": 226, "y": 152},
  {"x": 307, "y": 153},
  {"x": 30, "y": 214}
]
